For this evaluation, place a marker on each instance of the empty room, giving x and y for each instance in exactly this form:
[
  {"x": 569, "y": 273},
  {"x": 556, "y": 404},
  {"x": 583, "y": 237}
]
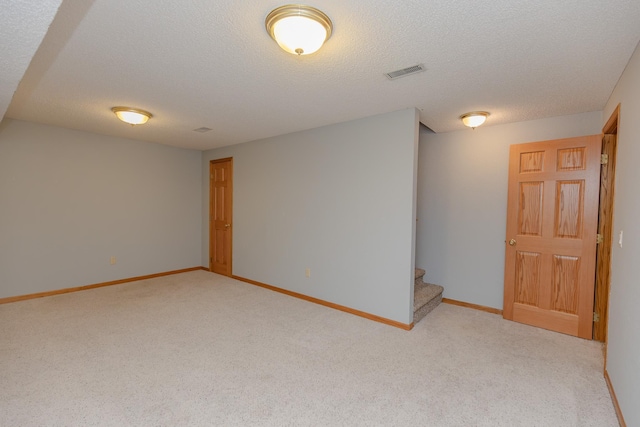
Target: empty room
[{"x": 337, "y": 213}]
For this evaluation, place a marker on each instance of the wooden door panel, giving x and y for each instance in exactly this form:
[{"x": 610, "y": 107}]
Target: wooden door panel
[
  {"x": 570, "y": 159},
  {"x": 552, "y": 320},
  {"x": 569, "y": 205},
  {"x": 565, "y": 283},
  {"x": 552, "y": 221},
  {"x": 531, "y": 196},
  {"x": 531, "y": 161},
  {"x": 527, "y": 277},
  {"x": 219, "y": 204}
]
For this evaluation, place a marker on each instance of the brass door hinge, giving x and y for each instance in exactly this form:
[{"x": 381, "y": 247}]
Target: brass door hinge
[
  {"x": 599, "y": 239},
  {"x": 604, "y": 159},
  {"x": 596, "y": 317}
]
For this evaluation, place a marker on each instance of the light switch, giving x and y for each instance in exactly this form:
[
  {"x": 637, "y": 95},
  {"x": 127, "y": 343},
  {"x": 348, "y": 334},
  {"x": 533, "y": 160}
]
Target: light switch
[{"x": 620, "y": 239}]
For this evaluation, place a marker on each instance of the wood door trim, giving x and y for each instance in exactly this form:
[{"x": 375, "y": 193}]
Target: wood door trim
[
  {"x": 605, "y": 229},
  {"x": 96, "y": 285},
  {"x": 405, "y": 326},
  {"x": 612, "y": 124},
  {"x": 611, "y": 127}
]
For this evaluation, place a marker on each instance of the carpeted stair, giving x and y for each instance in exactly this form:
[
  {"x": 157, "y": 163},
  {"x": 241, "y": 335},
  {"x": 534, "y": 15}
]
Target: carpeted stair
[{"x": 426, "y": 296}]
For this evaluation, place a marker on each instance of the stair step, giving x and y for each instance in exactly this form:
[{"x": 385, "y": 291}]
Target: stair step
[{"x": 427, "y": 297}]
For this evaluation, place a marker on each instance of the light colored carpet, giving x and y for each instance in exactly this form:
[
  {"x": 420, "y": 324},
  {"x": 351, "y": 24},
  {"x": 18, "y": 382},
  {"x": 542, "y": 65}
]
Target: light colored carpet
[{"x": 201, "y": 349}]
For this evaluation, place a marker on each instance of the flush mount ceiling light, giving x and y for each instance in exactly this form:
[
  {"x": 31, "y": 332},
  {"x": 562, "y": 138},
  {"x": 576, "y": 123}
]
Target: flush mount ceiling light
[
  {"x": 474, "y": 119},
  {"x": 299, "y": 29},
  {"x": 132, "y": 116}
]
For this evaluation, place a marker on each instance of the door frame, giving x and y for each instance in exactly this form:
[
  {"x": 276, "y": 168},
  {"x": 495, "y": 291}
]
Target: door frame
[
  {"x": 211, "y": 225},
  {"x": 603, "y": 269}
]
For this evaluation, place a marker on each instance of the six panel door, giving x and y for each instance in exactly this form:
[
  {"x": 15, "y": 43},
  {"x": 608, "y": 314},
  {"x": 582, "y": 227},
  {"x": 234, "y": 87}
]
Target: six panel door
[
  {"x": 552, "y": 217},
  {"x": 220, "y": 211}
]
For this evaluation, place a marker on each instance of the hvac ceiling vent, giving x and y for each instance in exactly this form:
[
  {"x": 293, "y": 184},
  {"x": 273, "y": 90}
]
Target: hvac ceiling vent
[
  {"x": 202, "y": 130},
  {"x": 405, "y": 72}
]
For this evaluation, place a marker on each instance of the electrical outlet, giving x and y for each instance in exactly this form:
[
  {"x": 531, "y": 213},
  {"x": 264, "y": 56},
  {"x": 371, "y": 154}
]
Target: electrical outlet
[
  {"x": 307, "y": 272},
  {"x": 113, "y": 260}
]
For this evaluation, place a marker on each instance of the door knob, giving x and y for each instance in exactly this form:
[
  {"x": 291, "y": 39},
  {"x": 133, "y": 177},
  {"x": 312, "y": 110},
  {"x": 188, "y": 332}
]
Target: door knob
[
  {"x": 227, "y": 225},
  {"x": 512, "y": 242}
]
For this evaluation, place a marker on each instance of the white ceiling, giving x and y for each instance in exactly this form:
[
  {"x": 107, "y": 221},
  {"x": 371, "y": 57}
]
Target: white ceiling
[
  {"x": 22, "y": 27},
  {"x": 206, "y": 63}
]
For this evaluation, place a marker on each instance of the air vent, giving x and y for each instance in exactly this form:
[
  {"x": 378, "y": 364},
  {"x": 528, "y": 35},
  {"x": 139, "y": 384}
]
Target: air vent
[
  {"x": 405, "y": 72},
  {"x": 202, "y": 130}
]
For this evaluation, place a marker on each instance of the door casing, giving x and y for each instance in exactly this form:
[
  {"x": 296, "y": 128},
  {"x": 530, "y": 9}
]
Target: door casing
[{"x": 605, "y": 227}]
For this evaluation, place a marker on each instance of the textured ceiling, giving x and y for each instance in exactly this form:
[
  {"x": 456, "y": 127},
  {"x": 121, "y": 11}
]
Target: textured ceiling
[
  {"x": 206, "y": 63},
  {"x": 22, "y": 27}
]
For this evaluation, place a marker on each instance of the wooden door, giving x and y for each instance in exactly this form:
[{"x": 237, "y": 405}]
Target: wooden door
[
  {"x": 220, "y": 215},
  {"x": 552, "y": 218}
]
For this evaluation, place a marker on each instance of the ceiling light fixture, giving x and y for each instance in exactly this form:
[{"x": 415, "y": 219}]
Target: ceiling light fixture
[
  {"x": 299, "y": 29},
  {"x": 132, "y": 116},
  {"x": 474, "y": 119}
]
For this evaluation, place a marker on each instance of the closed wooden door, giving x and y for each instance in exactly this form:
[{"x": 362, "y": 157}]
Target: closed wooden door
[
  {"x": 220, "y": 216},
  {"x": 552, "y": 218}
]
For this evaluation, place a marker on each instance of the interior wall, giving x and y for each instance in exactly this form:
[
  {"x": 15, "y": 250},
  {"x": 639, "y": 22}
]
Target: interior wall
[
  {"x": 462, "y": 202},
  {"x": 69, "y": 200},
  {"x": 337, "y": 199},
  {"x": 623, "y": 349}
]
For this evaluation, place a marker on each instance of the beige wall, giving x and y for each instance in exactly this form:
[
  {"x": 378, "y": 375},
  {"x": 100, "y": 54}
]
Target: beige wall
[{"x": 69, "y": 200}]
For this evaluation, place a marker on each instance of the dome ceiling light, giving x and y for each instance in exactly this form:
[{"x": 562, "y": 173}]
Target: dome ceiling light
[
  {"x": 299, "y": 29},
  {"x": 133, "y": 116},
  {"x": 474, "y": 119}
]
